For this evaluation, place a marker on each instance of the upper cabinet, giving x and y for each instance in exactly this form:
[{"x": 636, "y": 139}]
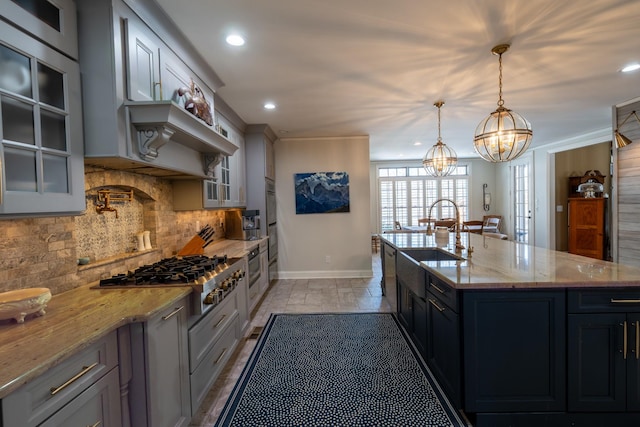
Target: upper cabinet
[
  {"x": 260, "y": 141},
  {"x": 261, "y": 171},
  {"x": 148, "y": 95},
  {"x": 41, "y": 164},
  {"x": 52, "y": 22}
]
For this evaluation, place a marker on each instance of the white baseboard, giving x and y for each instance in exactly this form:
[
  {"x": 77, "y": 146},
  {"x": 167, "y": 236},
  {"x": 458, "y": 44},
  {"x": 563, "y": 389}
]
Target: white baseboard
[{"x": 333, "y": 274}]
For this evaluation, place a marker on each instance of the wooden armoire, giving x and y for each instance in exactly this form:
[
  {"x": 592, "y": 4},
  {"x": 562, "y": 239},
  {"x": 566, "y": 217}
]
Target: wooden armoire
[{"x": 587, "y": 226}]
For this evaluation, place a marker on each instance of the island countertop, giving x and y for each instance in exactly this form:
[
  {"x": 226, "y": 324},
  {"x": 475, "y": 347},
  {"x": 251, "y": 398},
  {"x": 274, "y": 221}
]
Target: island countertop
[{"x": 501, "y": 264}]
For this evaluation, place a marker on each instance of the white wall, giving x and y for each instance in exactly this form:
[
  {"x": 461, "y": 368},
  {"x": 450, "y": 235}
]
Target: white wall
[{"x": 305, "y": 241}]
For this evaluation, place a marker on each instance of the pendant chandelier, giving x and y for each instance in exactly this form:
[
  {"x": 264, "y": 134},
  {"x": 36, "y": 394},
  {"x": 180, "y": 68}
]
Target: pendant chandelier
[
  {"x": 505, "y": 134},
  {"x": 440, "y": 160}
]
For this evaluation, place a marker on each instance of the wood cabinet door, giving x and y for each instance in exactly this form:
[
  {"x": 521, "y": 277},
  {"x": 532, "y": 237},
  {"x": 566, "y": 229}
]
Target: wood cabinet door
[
  {"x": 420, "y": 331},
  {"x": 586, "y": 227},
  {"x": 41, "y": 143},
  {"x": 443, "y": 346},
  {"x": 99, "y": 405},
  {"x": 168, "y": 402},
  {"x": 514, "y": 351},
  {"x": 405, "y": 309},
  {"x": 596, "y": 365},
  {"x": 633, "y": 362},
  {"x": 143, "y": 64}
]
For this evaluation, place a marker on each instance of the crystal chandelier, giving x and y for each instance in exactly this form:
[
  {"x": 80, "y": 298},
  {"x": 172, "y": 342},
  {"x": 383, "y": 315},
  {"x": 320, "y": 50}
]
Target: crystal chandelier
[
  {"x": 505, "y": 134},
  {"x": 440, "y": 160}
]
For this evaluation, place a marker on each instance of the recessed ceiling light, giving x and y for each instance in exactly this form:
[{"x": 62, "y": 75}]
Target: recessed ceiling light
[
  {"x": 269, "y": 106},
  {"x": 235, "y": 40},
  {"x": 631, "y": 67},
  {"x": 417, "y": 143}
]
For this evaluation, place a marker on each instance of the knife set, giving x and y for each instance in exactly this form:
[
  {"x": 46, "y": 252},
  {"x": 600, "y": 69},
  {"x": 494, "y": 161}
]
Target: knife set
[{"x": 196, "y": 245}]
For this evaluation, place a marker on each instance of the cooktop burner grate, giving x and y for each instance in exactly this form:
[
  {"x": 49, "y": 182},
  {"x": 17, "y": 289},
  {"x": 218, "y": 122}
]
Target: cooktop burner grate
[{"x": 173, "y": 270}]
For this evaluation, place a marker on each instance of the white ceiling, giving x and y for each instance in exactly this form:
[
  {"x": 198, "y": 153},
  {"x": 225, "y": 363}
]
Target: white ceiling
[{"x": 375, "y": 67}]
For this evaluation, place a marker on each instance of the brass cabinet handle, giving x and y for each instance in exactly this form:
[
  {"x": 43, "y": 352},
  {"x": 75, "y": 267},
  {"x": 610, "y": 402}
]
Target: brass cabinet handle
[
  {"x": 85, "y": 369},
  {"x": 97, "y": 423},
  {"x": 637, "y": 325},
  {"x": 219, "y": 321},
  {"x": 173, "y": 313},
  {"x": 220, "y": 357},
  {"x": 435, "y": 304},
  {"x": 437, "y": 288},
  {"x": 625, "y": 301},
  {"x": 625, "y": 341},
  {"x": 159, "y": 84}
]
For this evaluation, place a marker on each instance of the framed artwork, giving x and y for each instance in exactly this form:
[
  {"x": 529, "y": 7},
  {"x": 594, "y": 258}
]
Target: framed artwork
[{"x": 321, "y": 192}]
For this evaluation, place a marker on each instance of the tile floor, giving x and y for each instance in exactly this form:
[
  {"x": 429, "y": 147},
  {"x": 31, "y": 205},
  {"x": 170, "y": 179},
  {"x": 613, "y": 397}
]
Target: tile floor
[{"x": 295, "y": 296}]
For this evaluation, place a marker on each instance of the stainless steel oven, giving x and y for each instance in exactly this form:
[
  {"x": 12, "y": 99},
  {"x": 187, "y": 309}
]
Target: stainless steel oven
[{"x": 254, "y": 266}]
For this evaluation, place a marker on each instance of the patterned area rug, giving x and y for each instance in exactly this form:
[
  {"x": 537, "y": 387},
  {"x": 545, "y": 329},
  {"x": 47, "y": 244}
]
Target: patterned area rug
[{"x": 336, "y": 370}]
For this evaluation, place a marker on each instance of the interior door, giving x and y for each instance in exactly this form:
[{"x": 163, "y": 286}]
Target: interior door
[{"x": 523, "y": 191}]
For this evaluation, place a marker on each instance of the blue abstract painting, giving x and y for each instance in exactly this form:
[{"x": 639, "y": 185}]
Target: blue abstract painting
[{"x": 322, "y": 192}]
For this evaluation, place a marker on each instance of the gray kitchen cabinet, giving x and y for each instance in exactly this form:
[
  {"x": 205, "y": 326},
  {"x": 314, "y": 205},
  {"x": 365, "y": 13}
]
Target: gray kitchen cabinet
[
  {"x": 41, "y": 152},
  {"x": 195, "y": 194},
  {"x": 259, "y": 153},
  {"x": 51, "y": 22},
  {"x": 159, "y": 385},
  {"x": 143, "y": 64},
  {"x": 232, "y": 178},
  {"x": 211, "y": 343},
  {"x": 134, "y": 116},
  {"x": 93, "y": 407},
  {"x": 153, "y": 71},
  {"x": 84, "y": 388}
]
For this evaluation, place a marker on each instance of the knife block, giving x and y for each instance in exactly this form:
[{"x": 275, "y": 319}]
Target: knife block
[{"x": 193, "y": 247}]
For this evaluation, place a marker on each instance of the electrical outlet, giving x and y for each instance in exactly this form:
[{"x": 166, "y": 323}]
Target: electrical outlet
[{"x": 327, "y": 259}]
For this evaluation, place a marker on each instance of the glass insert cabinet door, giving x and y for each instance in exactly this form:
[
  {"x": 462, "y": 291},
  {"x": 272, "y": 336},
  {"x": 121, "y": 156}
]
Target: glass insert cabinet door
[
  {"x": 42, "y": 167},
  {"x": 51, "y": 21}
]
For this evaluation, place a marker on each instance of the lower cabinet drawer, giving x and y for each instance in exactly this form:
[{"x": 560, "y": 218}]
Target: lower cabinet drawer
[
  {"x": 446, "y": 293},
  {"x": 599, "y": 300},
  {"x": 206, "y": 373},
  {"x": 36, "y": 401},
  {"x": 208, "y": 330},
  {"x": 99, "y": 405}
]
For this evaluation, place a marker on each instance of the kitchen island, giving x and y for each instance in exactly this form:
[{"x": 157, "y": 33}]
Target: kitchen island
[{"x": 522, "y": 336}]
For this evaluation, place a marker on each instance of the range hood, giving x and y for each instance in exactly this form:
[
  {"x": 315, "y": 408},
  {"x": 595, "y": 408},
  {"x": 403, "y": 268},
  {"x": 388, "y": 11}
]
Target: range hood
[{"x": 159, "y": 122}]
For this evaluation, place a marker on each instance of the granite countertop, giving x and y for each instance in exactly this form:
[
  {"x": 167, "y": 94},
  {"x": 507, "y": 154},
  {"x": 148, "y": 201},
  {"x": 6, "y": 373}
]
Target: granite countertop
[
  {"x": 77, "y": 318},
  {"x": 501, "y": 264}
]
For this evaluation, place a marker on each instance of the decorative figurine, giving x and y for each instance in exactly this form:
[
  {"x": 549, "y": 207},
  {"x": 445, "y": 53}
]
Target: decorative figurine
[{"x": 195, "y": 103}]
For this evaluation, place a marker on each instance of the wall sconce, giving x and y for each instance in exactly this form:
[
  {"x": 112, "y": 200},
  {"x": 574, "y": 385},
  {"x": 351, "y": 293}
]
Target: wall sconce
[
  {"x": 621, "y": 140},
  {"x": 486, "y": 198}
]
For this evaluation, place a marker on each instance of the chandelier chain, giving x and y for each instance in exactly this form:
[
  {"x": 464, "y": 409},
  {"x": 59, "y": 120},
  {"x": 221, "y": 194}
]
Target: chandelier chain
[
  {"x": 500, "y": 100},
  {"x": 439, "y": 137}
]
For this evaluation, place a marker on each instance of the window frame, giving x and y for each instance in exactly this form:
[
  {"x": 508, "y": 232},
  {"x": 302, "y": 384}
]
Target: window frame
[{"x": 409, "y": 182}]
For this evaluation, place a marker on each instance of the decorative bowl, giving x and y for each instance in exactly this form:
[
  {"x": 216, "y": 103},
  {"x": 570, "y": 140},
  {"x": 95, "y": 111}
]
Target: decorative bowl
[{"x": 20, "y": 303}]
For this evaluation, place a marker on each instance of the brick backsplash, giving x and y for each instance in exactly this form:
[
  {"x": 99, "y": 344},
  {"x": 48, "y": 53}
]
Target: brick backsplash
[{"x": 43, "y": 252}]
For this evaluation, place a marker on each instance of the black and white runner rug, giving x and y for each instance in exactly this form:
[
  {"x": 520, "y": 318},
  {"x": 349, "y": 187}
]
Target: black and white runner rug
[{"x": 336, "y": 370}]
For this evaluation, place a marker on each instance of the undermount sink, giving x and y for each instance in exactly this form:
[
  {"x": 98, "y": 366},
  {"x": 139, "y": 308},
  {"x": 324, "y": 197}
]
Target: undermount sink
[{"x": 430, "y": 255}]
